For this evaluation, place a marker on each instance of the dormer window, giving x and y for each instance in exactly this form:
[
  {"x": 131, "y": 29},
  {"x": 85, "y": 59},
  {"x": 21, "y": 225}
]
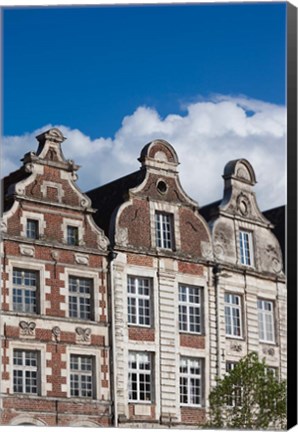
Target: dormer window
[
  {"x": 72, "y": 237},
  {"x": 246, "y": 248},
  {"x": 32, "y": 229},
  {"x": 164, "y": 230}
]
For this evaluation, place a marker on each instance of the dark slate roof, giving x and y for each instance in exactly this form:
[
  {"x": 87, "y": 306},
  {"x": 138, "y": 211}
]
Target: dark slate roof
[
  {"x": 210, "y": 211},
  {"x": 277, "y": 217},
  {"x": 10, "y": 180},
  {"x": 105, "y": 199}
]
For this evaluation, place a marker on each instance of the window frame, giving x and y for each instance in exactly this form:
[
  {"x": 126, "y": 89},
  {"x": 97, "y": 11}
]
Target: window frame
[
  {"x": 78, "y": 295},
  {"x": 23, "y": 287},
  {"x": 234, "y": 399},
  {"x": 188, "y": 305},
  {"x": 161, "y": 240},
  {"x": 29, "y": 231},
  {"x": 189, "y": 378},
  {"x": 262, "y": 312},
  {"x": 72, "y": 240},
  {"x": 139, "y": 298},
  {"x": 80, "y": 372},
  {"x": 232, "y": 306},
  {"x": 135, "y": 356},
  {"x": 23, "y": 368},
  {"x": 246, "y": 259}
]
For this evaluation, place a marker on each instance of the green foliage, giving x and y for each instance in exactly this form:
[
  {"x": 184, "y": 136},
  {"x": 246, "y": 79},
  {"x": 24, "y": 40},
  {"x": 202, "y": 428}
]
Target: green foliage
[{"x": 248, "y": 397}]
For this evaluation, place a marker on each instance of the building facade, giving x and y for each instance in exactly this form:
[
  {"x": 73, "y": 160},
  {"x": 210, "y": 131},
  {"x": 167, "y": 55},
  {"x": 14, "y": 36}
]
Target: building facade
[
  {"x": 54, "y": 322},
  {"x": 125, "y": 315}
]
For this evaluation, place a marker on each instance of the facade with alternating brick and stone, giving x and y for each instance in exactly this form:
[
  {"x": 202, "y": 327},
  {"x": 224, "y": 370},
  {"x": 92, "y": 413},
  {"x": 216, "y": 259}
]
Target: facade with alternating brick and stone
[
  {"x": 54, "y": 318},
  {"x": 131, "y": 310}
]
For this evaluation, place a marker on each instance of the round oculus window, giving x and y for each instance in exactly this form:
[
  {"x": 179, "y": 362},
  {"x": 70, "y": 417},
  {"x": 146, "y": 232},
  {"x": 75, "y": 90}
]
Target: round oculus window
[{"x": 162, "y": 186}]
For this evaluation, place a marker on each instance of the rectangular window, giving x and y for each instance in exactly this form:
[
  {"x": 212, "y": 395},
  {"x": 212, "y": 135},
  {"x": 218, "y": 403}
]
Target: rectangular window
[
  {"x": 246, "y": 248},
  {"x": 235, "y": 398},
  {"x": 190, "y": 309},
  {"x": 32, "y": 230},
  {"x": 81, "y": 298},
  {"x": 233, "y": 316},
  {"x": 266, "y": 321},
  {"x": 191, "y": 374},
  {"x": 72, "y": 237},
  {"x": 82, "y": 376},
  {"x": 139, "y": 291},
  {"x": 140, "y": 376},
  {"x": 164, "y": 230},
  {"x": 24, "y": 293},
  {"x": 25, "y": 372}
]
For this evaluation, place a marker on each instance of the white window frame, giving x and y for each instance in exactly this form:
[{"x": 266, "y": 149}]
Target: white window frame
[
  {"x": 190, "y": 377},
  {"x": 188, "y": 305},
  {"x": 29, "y": 230},
  {"x": 81, "y": 373},
  {"x": 246, "y": 248},
  {"x": 39, "y": 218},
  {"x": 78, "y": 295},
  {"x": 164, "y": 230},
  {"x": 266, "y": 317},
  {"x": 137, "y": 357},
  {"x": 233, "y": 308},
  {"x": 24, "y": 369},
  {"x": 25, "y": 288},
  {"x": 140, "y": 300},
  {"x": 234, "y": 399},
  {"x": 75, "y": 223}
]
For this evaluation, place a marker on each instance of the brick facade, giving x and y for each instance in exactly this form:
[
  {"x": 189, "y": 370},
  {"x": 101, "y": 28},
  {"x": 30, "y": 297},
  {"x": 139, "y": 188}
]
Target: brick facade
[
  {"x": 44, "y": 191},
  {"x": 137, "y": 290}
]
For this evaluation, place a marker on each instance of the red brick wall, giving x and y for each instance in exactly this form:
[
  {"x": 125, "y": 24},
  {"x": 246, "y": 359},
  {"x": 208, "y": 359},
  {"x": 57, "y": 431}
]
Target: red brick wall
[
  {"x": 136, "y": 219},
  {"x": 193, "y": 415},
  {"x": 141, "y": 260},
  {"x": 192, "y": 232},
  {"x": 192, "y": 341},
  {"x": 141, "y": 333},
  {"x": 190, "y": 268}
]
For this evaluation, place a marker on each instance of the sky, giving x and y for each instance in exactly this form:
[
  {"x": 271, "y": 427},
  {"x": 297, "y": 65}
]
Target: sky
[{"x": 208, "y": 78}]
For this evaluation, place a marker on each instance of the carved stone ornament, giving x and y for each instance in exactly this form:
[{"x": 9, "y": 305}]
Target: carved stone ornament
[
  {"x": 27, "y": 250},
  {"x": 55, "y": 255},
  {"x": 83, "y": 335},
  {"x": 56, "y": 333},
  {"x": 206, "y": 250},
  {"x": 3, "y": 226},
  {"x": 243, "y": 204},
  {"x": 103, "y": 243},
  {"x": 236, "y": 347},
  {"x": 243, "y": 173},
  {"x": 122, "y": 236},
  {"x": 218, "y": 250},
  {"x": 85, "y": 203},
  {"x": 82, "y": 259},
  {"x": 273, "y": 257},
  {"x": 270, "y": 351},
  {"x": 27, "y": 328}
]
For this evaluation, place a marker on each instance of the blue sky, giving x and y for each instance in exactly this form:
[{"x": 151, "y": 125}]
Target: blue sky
[{"x": 90, "y": 69}]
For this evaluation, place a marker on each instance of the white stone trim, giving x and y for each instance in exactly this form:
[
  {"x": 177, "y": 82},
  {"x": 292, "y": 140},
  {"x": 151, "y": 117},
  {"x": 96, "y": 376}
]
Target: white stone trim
[
  {"x": 83, "y": 274},
  {"x": 75, "y": 223},
  {"x": 44, "y": 386},
  {"x": 166, "y": 208},
  {"x": 85, "y": 351},
  {"x": 23, "y": 263},
  {"x": 44, "y": 189},
  {"x": 34, "y": 216}
]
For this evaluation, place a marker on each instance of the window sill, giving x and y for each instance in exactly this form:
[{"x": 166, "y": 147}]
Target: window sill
[
  {"x": 238, "y": 338},
  {"x": 131, "y": 402},
  {"x": 192, "y": 406},
  {"x": 268, "y": 342},
  {"x": 140, "y": 325},
  {"x": 183, "y": 332}
]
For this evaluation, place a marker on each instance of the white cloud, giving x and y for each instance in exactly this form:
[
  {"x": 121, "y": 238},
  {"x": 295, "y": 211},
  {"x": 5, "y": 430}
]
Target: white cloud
[{"x": 210, "y": 134}]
